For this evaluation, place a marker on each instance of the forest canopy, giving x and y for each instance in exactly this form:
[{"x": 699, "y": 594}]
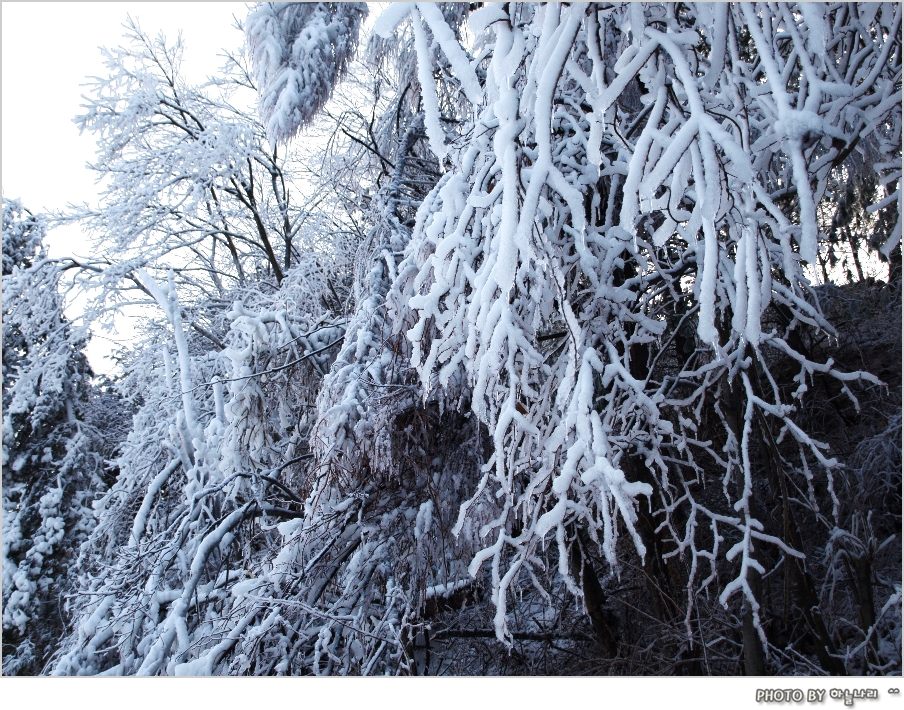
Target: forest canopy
[{"x": 498, "y": 338}]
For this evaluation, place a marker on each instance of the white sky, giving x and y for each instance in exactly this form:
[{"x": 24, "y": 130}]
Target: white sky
[{"x": 48, "y": 51}]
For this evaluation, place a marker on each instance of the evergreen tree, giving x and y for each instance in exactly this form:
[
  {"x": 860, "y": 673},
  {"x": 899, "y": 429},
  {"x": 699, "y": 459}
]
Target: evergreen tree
[{"x": 51, "y": 471}]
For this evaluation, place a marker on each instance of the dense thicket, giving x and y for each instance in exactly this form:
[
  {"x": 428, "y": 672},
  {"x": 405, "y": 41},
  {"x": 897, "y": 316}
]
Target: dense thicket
[{"x": 554, "y": 342}]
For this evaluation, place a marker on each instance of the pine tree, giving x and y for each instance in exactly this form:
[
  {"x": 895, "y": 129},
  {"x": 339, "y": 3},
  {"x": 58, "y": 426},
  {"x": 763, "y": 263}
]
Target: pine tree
[{"x": 51, "y": 471}]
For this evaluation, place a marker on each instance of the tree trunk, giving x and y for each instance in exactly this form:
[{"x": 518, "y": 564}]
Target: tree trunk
[
  {"x": 602, "y": 620},
  {"x": 796, "y": 567}
]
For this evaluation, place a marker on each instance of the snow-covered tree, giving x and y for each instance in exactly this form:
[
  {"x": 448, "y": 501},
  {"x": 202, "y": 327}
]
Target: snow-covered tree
[
  {"x": 52, "y": 466},
  {"x": 198, "y": 223},
  {"x": 300, "y": 50},
  {"x": 636, "y": 178},
  {"x": 551, "y": 336}
]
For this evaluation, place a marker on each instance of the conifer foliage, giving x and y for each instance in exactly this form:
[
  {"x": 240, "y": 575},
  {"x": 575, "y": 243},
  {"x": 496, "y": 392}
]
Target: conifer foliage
[{"x": 52, "y": 463}]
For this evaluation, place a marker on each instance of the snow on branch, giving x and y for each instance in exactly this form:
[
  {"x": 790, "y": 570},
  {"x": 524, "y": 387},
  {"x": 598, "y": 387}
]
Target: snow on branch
[{"x": 300, "y": 52}]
